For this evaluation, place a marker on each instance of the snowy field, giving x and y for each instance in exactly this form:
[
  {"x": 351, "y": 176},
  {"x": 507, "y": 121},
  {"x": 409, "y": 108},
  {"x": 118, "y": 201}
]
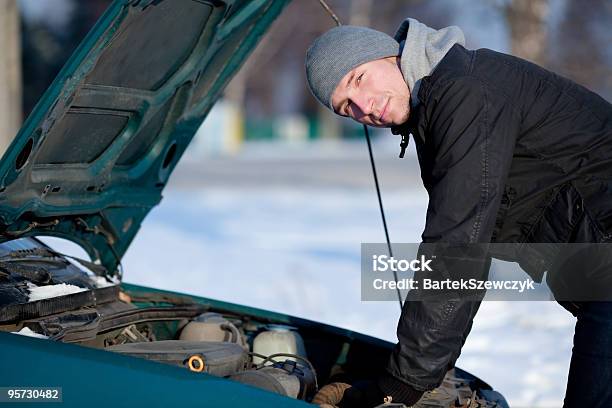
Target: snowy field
[{"x": 295, "y": 249}]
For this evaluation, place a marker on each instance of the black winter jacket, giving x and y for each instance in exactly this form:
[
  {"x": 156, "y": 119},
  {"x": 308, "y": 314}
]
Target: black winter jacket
[{"x": 509, "y": 152}]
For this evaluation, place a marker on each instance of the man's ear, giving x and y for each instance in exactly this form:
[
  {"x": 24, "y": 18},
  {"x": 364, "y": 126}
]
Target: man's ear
[{"x": 394, "y": 59}]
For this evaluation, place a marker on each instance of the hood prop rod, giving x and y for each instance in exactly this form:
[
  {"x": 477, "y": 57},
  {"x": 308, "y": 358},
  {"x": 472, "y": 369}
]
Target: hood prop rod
[
  {"x": 382, "y": 211},
  {"x": 367, "y": 135}
]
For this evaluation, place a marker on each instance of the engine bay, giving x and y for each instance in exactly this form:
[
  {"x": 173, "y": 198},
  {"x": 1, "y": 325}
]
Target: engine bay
[
  {"x": 51, "y": 296},
  {"x": 291, "y": 360}
]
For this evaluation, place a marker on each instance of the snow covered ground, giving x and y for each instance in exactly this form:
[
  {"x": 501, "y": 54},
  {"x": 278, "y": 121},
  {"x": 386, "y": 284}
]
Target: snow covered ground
[{"x": 296, "y": 250}]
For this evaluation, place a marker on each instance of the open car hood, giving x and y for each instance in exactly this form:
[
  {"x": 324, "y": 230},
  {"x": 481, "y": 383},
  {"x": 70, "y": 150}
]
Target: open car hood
[{"x": 95, "y": 154}]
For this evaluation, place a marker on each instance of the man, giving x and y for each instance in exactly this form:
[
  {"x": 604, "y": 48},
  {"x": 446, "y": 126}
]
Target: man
[{"x": 509, "y": 153}]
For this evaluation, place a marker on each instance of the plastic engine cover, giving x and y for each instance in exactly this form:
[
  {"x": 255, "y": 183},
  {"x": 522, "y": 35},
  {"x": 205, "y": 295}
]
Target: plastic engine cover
[{"x": 219, "y": 358}]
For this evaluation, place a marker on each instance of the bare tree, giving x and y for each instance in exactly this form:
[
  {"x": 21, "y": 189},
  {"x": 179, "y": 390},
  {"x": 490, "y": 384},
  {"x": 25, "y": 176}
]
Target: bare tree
[
  {"x": 528, "y": 29},
  {"x": 360, "y": 12},
  {"x": 581, "y": 47},
  {"x": 10, "y": 73}
]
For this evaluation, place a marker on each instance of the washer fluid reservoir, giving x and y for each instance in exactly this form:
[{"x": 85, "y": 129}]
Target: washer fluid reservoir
[{"x": 278, "y": 339}]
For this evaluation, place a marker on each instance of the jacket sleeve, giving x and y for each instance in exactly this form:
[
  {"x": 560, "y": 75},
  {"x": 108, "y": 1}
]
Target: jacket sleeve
[{"x": 469, "y": 140}]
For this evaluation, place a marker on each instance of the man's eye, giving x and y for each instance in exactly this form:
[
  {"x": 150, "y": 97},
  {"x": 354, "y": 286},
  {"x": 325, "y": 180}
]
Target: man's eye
[{"x": 359, "y": 79}]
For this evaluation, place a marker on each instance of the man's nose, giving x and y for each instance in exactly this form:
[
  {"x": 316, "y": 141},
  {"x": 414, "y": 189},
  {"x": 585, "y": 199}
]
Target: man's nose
[{"x": 363, "y": 103}]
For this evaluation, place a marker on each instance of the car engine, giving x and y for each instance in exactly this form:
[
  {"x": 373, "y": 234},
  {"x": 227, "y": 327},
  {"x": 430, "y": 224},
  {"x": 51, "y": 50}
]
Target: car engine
[{"x": 44, "y": 295}]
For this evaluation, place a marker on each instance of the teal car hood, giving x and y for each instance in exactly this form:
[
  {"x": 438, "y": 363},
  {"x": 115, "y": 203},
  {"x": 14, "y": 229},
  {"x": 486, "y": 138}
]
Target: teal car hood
[{"x": 95, "y": 154}]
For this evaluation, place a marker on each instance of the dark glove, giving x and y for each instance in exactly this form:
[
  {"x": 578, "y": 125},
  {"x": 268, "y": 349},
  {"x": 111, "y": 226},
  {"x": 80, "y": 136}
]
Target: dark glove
[
  {"x": 399, "y": 391},
  {"x": 365, "y": 394}
]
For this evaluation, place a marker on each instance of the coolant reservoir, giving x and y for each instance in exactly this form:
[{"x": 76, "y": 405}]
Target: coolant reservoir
[
  {"x": 211, "y": 327},
  {"x": 278, "y": 339}
]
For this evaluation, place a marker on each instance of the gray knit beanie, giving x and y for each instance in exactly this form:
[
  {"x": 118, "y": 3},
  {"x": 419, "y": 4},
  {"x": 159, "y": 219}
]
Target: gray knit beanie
[{"x": 339, "y": 50}]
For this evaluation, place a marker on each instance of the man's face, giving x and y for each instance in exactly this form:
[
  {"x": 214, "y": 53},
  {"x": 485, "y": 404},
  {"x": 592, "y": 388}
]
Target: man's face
[{"x": 374, "y": 93}]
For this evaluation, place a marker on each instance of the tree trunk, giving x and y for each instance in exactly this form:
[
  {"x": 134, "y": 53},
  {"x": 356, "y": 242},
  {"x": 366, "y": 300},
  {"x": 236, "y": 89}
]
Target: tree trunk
[
  {"x": 10, "y": 73},
  {"x": 527, "y": 22},
  {"x": 360, "y": 12}
]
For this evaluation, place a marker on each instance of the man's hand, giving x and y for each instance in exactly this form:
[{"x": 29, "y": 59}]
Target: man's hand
[{"x": 330, "y": 395}]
